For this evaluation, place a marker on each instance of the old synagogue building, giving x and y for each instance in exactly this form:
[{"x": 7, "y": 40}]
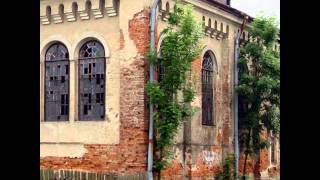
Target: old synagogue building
[{"x": 94, "y": 117}]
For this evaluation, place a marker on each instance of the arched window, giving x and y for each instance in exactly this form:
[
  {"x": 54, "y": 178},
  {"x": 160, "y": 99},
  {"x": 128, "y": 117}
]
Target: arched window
[
  {"x": 161, "y": 68},
  {"x": 209, "y": 23},
  {"x": 57, "y": 83},
  {"x": 92, "y": 81},
  {"x": 207, "y": 88}
]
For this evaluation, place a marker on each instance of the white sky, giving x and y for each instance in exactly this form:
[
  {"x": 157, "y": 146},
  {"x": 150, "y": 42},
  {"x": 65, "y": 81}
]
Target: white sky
[{"x": 254, "y": 7}]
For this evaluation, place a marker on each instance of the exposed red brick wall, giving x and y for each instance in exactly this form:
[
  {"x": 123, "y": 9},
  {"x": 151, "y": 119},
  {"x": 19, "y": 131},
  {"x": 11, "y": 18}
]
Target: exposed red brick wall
[
  {"x": 274, "y": 171},
  {"x": 175, "y": 171},
  {"x": 192, "y": 170},
  {"x": 259, "y": 163},
  {"x": 203, "y": 170},
  {"x": 250, "y": 164},
  {"x": 264, "y": 159},
  {"x": 139, "y": 31},
  {"x": 129, "y": 156}
]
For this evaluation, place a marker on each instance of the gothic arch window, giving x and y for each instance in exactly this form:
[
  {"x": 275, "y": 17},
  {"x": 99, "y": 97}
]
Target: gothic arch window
[
  {"x": 57, "y": 83},
  {"x": 207, "y": 88},
  {"x": 160, "y": 68},
  {"x": 92, "y": 81}
]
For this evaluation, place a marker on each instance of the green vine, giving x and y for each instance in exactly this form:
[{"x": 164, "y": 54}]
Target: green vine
[
  {"x": 228, "y": 171},
  {"x": 172, "y": 96}
]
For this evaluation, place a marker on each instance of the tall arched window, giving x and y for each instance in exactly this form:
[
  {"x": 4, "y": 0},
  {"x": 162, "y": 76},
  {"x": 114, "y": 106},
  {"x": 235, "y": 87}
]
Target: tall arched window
[
  {"x": 207, "y": 88},
  {"x": 161, "y": 68},
  {"x": 92, "y": 81},
  {"x": 57, "y": 83}
]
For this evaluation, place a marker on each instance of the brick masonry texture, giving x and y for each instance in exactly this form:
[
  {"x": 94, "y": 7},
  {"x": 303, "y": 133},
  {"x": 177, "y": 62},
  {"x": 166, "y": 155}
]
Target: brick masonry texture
[{"x": 129, "y": 156}]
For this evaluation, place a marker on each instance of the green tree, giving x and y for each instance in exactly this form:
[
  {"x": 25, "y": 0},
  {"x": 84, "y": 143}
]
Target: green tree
[
  {"x": 173, "y": 94},
  {"x": 259, "y": 85}
]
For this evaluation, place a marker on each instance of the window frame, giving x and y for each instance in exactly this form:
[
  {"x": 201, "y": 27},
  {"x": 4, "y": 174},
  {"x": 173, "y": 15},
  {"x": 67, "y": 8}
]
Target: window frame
[
  {"x": 45, "y": 83},
  {"x": 78, "y": 96},
  {"x": 212, "y": 122}
]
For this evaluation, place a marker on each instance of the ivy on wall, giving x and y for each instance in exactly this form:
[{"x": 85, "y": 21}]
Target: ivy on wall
[{"x": 172, "y": 96}]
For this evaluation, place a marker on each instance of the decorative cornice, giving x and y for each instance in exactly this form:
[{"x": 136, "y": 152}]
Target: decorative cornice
[
  {"x": 70, "y": 16},
  {"x": 96, "y": 12},
  {"x": 57, "y": 18},
  {"x": 216, "y": 33}
]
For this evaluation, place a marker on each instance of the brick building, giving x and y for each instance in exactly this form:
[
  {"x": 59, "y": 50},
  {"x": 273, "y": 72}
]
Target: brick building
[{"x": 93, "y": 71}]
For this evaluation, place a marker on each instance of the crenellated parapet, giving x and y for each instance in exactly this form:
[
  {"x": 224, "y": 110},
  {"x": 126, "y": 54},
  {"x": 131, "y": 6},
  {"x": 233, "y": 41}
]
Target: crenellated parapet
[
  {"x": 74, "y": 10},
  {"x": 245, "y": 37},
  {"x": 214, "y": 28}
]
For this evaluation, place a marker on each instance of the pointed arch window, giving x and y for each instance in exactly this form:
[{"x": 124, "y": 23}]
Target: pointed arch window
[
  {"x": 57, "y": 83},
  {"x": 161, "y": 68},
  {"x": 92, "y": 81},
  {"x": 207, "y": 89}
]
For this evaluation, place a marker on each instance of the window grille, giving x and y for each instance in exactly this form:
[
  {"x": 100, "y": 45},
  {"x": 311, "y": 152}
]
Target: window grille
[
  {"x": 207, "y": 89},
  {"x": 57, "y": 83},
  {"x": 92, "y": 81}
]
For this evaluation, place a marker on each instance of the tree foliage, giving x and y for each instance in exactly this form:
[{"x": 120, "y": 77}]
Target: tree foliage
[
  {"x": 259, "y": 84},
  {"x": 172, "y": 95}
]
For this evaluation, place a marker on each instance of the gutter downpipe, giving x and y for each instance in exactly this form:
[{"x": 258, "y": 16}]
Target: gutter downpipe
[
  {"x": 151, "y": 78},
  {"x": 236, "y": 135}
]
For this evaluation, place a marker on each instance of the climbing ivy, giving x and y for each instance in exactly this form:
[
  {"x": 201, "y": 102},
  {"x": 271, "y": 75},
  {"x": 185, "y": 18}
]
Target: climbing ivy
[{"x": 171, "y": 96}]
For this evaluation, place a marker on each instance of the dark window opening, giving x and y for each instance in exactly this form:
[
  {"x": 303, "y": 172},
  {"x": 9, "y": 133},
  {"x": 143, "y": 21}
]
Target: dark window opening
[
  {"x": 161, "y": 67},
  {"x": 91, "y": 81},
  {"x": 207, "y": 90},
  {"x": 56, "y": 83}
]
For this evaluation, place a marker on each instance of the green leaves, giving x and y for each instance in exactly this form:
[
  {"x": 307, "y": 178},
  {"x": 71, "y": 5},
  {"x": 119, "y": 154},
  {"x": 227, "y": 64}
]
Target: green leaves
[
  {"x": 156, "y": 95},
  {"x": 259, "y": 83},
  {"x": 179, "y": 48},
  {"x": 264, "y": 28}
]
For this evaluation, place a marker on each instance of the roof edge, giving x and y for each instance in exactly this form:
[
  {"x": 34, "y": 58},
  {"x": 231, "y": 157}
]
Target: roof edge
[{"x": 228, "y": 9}]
